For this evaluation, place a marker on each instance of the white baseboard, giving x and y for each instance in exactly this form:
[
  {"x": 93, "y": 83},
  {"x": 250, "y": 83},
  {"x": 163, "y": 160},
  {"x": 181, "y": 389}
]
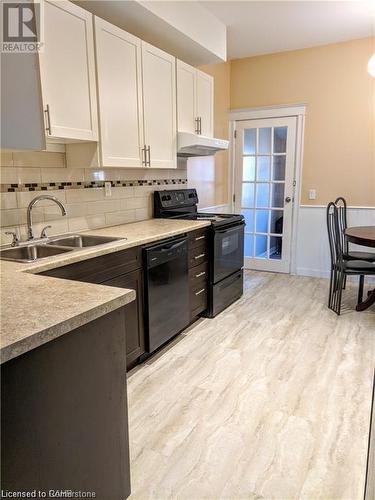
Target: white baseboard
[
  {"x": 314, "y": 273},
  {"x": 320, "y": 273}
]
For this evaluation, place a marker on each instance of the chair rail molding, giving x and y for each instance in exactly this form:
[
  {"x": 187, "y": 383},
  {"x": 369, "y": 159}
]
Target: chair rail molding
[{"x": 352, "y": 207}]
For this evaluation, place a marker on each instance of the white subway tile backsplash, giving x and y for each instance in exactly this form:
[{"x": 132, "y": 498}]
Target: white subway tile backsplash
[
  {"x": 122, "y": 192},
  {"x": 88, "y": 194},
  {"x": 6, "y": 239},
  {"x": 8, "y": 175},
  {"x": 62, "y": 175},
  {"x": 52, "y": 212},
  {"x": 79, "y": 189},
  {"x": 24, "y": 197},
  {"x": 18, "y": 216},
  {"x": 102, "y": 207},
  {"x": 76, "y": 209},
  {"x": 142, "y": 214},
  {"x": 59, "y": 226},
  {"x": 128, "y": 203},
  {"x": 8, "y": 200},
  {"x": 144, "y": 190},
  {"x": 83, "y": 223},
  {"x": 94, "y": 221},
  {"x": 115, "y": 218},
  {"x": 28, "y": 175}
]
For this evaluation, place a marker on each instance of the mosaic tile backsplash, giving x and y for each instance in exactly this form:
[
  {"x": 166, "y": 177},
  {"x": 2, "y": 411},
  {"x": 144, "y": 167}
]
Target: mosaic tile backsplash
[
  {"x": 82, "y": 192},
  {"x": 50, "y": 186}
]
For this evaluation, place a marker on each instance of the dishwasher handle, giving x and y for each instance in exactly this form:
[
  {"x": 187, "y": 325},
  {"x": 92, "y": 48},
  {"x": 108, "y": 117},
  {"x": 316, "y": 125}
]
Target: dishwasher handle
[
  {"x": 166, "y": 252},
  {"x": 172, "y": 246}
]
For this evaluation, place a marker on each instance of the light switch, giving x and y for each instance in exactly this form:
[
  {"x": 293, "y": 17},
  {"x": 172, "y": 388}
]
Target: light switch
[
  {"x": 108, "y": 189},
  {"x": 312, "y": 194}
]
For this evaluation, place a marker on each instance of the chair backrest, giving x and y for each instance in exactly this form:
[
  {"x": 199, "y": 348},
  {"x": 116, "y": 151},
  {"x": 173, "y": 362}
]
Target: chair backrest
[
  {"x": 334, "y": 235},
  {"x": 340, "y": 203}
]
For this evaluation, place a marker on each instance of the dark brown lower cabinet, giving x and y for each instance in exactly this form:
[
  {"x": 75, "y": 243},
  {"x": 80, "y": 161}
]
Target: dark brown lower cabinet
[
  {"x": 64, "y": 417},
  {"x": 124, "y": 270},
  {"x": 198, "y": 272},
  {"x": 135, "y": 338}
]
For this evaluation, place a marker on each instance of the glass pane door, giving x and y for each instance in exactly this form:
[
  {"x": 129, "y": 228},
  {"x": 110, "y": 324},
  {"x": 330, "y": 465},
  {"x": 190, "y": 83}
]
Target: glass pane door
[{"x": 264, "y": 190}]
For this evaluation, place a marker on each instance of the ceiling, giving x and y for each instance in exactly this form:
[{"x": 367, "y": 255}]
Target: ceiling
[
  {"x": 255, "y": 28},
  {"x": 181, "y": 34}
]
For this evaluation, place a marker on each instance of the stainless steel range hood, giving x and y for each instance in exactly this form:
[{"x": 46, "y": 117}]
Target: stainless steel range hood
[{"x": 198, "y": 145}]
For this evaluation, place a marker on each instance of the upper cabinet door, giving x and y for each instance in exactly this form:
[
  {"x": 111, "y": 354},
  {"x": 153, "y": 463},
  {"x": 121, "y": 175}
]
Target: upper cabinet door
[
  {"x": 186, "y": 98},
  {"x": 118, "y": 58},
  {"x": 67, "y": 68},
  {"x": 205, "y": 103},
  {"x": 159, "y": 106}
]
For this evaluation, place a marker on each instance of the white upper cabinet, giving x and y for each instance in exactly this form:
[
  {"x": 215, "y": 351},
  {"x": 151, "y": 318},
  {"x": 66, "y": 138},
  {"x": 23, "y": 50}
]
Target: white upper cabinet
[
  {"x": 186, "y": 98},
  {"x": 67, "y": 67},
  {"x": 195, "y": 96},
  {"x": 205, "y": 103},
  {"x": 118, "y": 60},
  {"x": 159, "y": 107}
]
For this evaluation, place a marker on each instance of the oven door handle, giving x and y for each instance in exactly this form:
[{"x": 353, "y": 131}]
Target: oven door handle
[{"x": 237, "y": 227}]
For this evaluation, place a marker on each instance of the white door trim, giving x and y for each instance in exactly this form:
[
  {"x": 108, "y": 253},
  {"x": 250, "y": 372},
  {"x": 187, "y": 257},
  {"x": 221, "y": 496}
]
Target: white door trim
[
  {"x": 298, "y": 110},
  {"x": 267, "y": 112}
]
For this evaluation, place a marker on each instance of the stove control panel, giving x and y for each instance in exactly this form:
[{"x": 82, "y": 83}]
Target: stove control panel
[{"x": 175, "y": 198}]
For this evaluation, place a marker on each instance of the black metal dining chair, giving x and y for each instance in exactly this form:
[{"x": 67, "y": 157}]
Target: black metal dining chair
[
  {"x": 341, "y": 267},
  {"x": 341, "y": 205}
]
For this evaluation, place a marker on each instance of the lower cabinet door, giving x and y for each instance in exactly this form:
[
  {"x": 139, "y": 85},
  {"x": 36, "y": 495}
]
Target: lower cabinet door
[{"x": 135, "y": 338}]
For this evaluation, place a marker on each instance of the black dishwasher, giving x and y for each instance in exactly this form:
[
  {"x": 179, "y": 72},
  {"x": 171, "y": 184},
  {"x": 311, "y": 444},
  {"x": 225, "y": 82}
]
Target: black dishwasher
[{"x": 166, "y": 291}]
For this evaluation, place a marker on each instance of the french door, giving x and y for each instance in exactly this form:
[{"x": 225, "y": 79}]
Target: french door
[{"x": 264, "y": 190}]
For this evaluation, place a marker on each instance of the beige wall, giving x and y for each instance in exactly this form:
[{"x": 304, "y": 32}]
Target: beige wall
[
  {"x": 339, "y": 155},
  {"x": 210, "y": 175}
]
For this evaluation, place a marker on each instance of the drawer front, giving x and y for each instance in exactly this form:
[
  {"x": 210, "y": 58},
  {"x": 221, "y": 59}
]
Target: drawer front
[
  {"x": 197, "y": 238},
  {"x": 226, "y": 292},
  {"x": 198, "y": 255},
  {"x": 99, "y": 269},
  {"x": 198, "y": 274},
  {"x": 198, "y": 299}
]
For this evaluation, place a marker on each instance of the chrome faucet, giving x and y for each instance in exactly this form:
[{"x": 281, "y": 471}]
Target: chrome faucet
[{"x": 33, "y": 202}]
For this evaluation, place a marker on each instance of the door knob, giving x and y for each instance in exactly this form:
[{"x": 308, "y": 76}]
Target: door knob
[{"x": 288, "y": 199}]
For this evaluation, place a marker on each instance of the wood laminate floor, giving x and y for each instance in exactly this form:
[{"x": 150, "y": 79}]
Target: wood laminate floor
[{"x": 271, "y": 399}]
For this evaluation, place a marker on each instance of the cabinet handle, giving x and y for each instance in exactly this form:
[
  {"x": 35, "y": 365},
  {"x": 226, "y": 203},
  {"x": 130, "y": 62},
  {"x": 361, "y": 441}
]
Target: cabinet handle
[
  {"x": 197, "y": 125},
  {"x": 200, "y": 291},
  {"x": 144, "y": 161},
  {"x": 200, "y": 274},
  {"x": 148, "y": 162},
  {"x": 48, "y": 120},
  {"x": 199, "y": 238},
  {"x": 200, "y": 125},
  {"x": 199, "y": 256}
]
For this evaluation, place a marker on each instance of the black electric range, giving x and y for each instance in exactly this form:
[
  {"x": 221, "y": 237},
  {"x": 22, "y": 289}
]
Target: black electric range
[{"x": 226, "y": 244}]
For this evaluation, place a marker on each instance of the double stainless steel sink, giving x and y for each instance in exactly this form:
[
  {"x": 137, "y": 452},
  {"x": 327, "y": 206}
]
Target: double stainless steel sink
[{"x": 49, "y": 247}]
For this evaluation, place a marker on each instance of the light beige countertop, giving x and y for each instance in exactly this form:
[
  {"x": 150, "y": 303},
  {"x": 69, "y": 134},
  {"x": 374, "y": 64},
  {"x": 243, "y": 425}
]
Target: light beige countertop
[{"x": 36, "y": 309}]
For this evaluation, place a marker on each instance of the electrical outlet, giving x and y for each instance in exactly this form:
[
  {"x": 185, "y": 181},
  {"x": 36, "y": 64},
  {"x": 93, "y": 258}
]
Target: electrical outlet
[
  {"x": 312, "y": 194},
  {"x": 108, "y": 189}
]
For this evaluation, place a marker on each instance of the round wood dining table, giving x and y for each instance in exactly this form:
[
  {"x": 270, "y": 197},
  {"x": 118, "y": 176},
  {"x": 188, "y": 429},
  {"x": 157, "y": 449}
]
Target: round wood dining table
[{"x": 365, "y": 236}]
